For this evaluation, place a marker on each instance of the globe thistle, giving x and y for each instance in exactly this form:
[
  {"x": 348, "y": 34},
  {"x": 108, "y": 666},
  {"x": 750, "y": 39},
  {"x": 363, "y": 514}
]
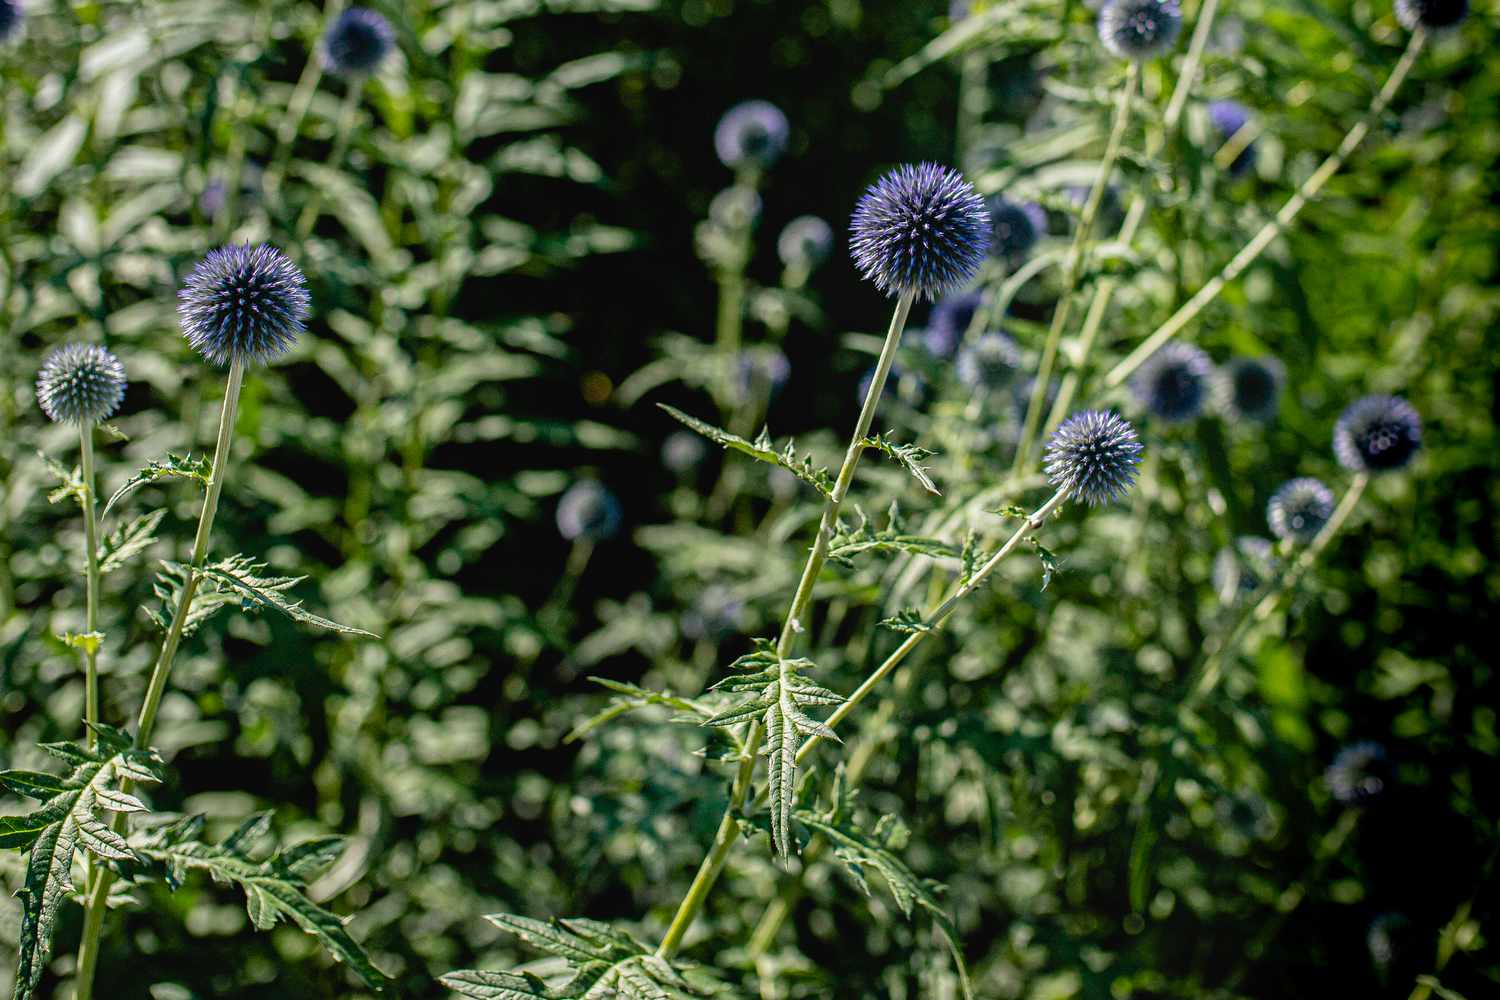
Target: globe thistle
[
  {"x": 1299, "y": 509},
  {"x": 1431, "y": 14},
  {"x": 357, "y": 42},
  {"x": 588, "y": 511},
  {"x": 1139, "y": 29},
  {"x": 736, "y": 207},
  {"x": 752, "y": 134},
  {"x": 1359, "y": 774},
  {"x": 11, "y": 16},
  {"x": 1244, "y": 568},
  {"x": 80, "y": 384},
  {"x": 1015, "y": 227},
  {"x": 1377, "y": 434},
  {"x": 805, "y": 243},
  {"x": 682, "y": 451},
  {"x": 1250, "y": 388},
  {"x": 1174, "y": 384},
  {"x": 1093, "y": 456},
  {"x": 992, "y": 362},
  {"x": 243, "y": 303},
  {"x": 920, "y": 230},
  {"x": 1227, "y": 118},
  {"x": 949, "y": 321}
]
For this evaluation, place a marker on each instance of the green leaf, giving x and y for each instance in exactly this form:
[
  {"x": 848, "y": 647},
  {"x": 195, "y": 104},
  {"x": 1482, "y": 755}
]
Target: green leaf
[
  {"x": 67, "y": 821},
  {"x": 496, "y": 985},
  {"x": 633, "y": 698},
  {"x": 1048, "y": 558},
  {"x": 908, "y": 620},
  {"x": 168, "y": 588},
  {"x": 274, "y": 887},
  {"x": 172, "y": 467},
  {"x": 970, "y": 558},
  {"x": 120, "y": 545},
  {"x": 239, "y": 575},
  {"x": 762, "y": 450},
  {"x": 847, "y": 543},
  {"x": 70, "y": 480},
  {"x": 87, "y": 643},
  {"x": 909, "y": 456}
]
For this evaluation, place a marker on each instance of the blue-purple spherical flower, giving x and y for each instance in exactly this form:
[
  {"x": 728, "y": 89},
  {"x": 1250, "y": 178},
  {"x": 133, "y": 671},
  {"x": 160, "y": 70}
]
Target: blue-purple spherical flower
[
  {"x": 1250, "y": 388},
  {"x": 11, "y": 16},
  {"x": 588, "y": 511},
  {"x": 357, "y": 42},
  {"x": 1139, "y": 29},
  {"x": 1359, "y": 774},
  {"x": 243, "y": 303},
  {"x": 1175, "y": 383},
  {"x": 1093, "y": 455},
  {"x": 1243, "y": 568},
  {"x": 1227, "y": 119},
  {"x": 1434, "y": 15},
  {"x": 992, "y": 362},
  {"x": 805, "y": 243},
  {"x": 1015, "y": 227},
  {"x": 920, "y": 230},
  {"x": 80, "y": 384},
  {"x": 1377, "y": 434},
  {"x": 1299, "y": 509},
  {"x": 752, "y": 134},
  {"x": 949, "y": 321}
]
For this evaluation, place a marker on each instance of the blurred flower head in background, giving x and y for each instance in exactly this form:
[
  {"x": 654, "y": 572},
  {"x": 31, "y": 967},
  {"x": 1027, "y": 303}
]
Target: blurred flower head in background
[
  {"x": 1431, "y": 14},
  {"x": 682, "y": 451},
  {"x": 1377, "y": 434},
  {"x": 357, "y": 42},
  {"x": 992, "y": 362},
  {"x": 1139, "y": 29},
  {"x": 80, "y": 384},
  {"x": 752, "y": 134},
  {"x": 805, "y": 243},
  {"x": 1250, "y": 388},
  {"x": 1359, "y": 774},
  {"x": 243, "y": 303},
  {"x": 1015, "y": 227},
  {"x": 920, "y": 230},
  {"x": 1174, "y": 384},
  {"x": 949, "y": 321},
  {"x": 1227, "y": 118},
  {"x": 588, "y": 511},
  {"x": 1299, "y": 509},
  {"x": 1093, "y": 455}
]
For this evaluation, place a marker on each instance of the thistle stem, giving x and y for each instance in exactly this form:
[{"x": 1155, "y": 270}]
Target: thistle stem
[
  {"x": 91, "y": 586},
  {"x": 98, "y": 893},
  {"x": 728, "y": 831},
  {"x": 1077, "y": 254},
  {"x": 1283, "y": 218},
  {"x": 342, "y": 132}
]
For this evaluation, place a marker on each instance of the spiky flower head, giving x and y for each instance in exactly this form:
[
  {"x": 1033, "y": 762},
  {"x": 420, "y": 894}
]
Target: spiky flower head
[
  {"x": 1015, "y": 227},
  {"x": 1434, "y": 15},
  {"x": 992, "y": 362},
  {"x": 1240, "y": 570},
  {"x": 243, "y": 303},
  {"x": 1174, "y": 384},
  {"x": 80, "y": 384},
  {"x": 1227, "y": 118},
  {"x": 1250, "y": 388},
  {"x": 1359, "y": 774},
  {"x": 751, "y": 134},
  {"x": 920, "y": 230},
  {"x": 1299, "y": 509},
  {"x": 1139, "y": 29},
  {"x": 357, "y": 42},
  {"x": 1093, "y": 455},
  {"x": 589, "y": 511},
  {"x": 949, "y": 321},
  {"x": 11, "y": 15},
  {"x": 805, "y": 243},
  {"x": 1377, "y": 434}
]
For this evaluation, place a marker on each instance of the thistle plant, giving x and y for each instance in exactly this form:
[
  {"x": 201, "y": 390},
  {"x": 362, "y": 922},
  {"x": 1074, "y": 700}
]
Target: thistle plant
[{"x": 12, "y": 15}]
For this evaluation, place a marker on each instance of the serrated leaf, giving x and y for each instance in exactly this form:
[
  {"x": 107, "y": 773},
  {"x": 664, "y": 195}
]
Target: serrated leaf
[
  {"x": 849, "y": 542},
  {"x": 496, "y": 985},
  {"x": 633, "y": 698},
  {"x": 907, "y": 620},
  {"x": 120, "y": 545},
  {"x": 70, "y": 480},
  {"x": 969, "y": 559},
  {"x": 168, "y": 588},
  {"x": 171, "y": 467},
  {"x": 239, "y": 575},
  {"x": 761, "y": 449},
  {"x": 909, "y": 456},
  {"x": 1048, "y": 558}
]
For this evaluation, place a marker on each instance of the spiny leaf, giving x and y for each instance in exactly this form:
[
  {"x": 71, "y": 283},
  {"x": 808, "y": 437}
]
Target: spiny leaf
[
  {"x": 239, "y": 575},
  {"x": 496, "y": 985},
  {"x": 172, "y": 467},
  {"x": 633, "y": 698},
  {"x": 909, "y": 456},
  {"x": 1048, "y": 558},
  {"x": 761, "y": 449},
  {"x": 970, "y": 558},
  {"x": 168, "y": 588},
  {"x": 847, "y": 543},
  {"x": 908, "y": 620},
  {"x": 120, "y": 545},
  {"x": 71, "y": 481},
  {"x": 273, "y": 888}
]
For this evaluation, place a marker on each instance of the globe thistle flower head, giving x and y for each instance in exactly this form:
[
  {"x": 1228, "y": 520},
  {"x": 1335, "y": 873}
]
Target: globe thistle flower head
[
  {"x": 80, "y": 384},
  {"x": 1434, "y": 15},
  {"x": 1174, "y": 384},
  {"x": 1299, "y": 509},
  {"x": 993, "y": 362},
  {"x": 1227, "y": 118},
  {"x": 357, "y": 42},
  {"x": 588, "y": 511},
  {"x": 920, "y": 230},
  {"x": 1015, "y": 227},
  {"x": 1242, "y": 569},
  {"x": 752, "y": 134},
  {"x": 243, "y": 303},
  {"x": 1359, "y": 774},
  {"x": 1377, "y": 434},
  {"x": 949, "y": 321},
  {"x": 11, "y": 16},
  {"x": 805, "y": 243},
  {"x": 1139, "y": 29},
  {"x": 1093, "y": 455},
  {"x": 1250, "y": 388},
  {"x": 682, "y": 451}
]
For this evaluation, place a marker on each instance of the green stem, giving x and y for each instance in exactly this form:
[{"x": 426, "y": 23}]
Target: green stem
[
  {"x": 343, "y": 131},
  {"x": 91, "y": 586},
  {"x": 1077, "y": 254},
  {"x": 1284, "y": 218},
  {"x": 728, "y": 831},
  {"x": 98, "y": 892}
]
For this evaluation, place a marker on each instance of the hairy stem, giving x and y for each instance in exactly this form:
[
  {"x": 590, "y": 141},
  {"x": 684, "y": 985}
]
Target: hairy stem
[
  {"x": 1283, "y": 218},
  {"x": 724, "y": 838},
  {"x": 91, "y": 586}
]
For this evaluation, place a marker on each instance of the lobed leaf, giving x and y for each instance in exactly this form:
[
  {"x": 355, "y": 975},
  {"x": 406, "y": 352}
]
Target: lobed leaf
[
  {"x": 119, "y": 546},
  {"x": 172, "y": 467},
  {"x": 909, "y": 456},
  {"x": 761, "y": 449}
]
